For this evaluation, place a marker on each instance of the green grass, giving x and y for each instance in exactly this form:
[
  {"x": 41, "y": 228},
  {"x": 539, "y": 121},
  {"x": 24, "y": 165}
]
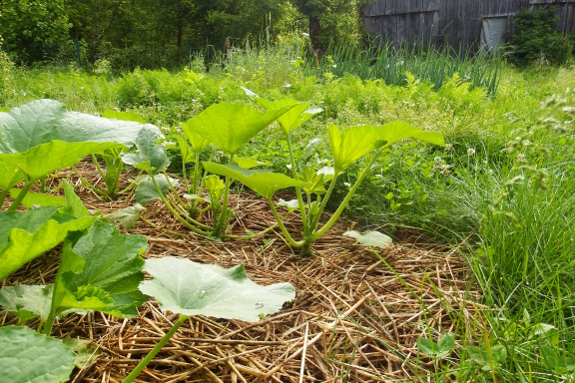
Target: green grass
[{"x": 526, "y": 273}]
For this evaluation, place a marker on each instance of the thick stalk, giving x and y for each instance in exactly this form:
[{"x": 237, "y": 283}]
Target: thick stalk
[
  {"x": 142, "y": 365},
  {"x": 286, "y": 234},
  {"x": 324, "y": 203},
  {"x": 348, "y": 197},
  {"x": 95, "y": 161},
  {"x": 222, "y": 222},
  {"x": 175, "y": 214},
  {"x": 185, "y": 175},
  {"x": 173, "y": 189},
  {"x": 297, "y": 189},
  {"x": 197, "y": 175},
  {"x": 22, "y": 194}
]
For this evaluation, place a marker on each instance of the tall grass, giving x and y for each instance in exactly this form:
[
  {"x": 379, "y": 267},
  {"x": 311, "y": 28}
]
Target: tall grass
[{"x": 390, "y": 64}]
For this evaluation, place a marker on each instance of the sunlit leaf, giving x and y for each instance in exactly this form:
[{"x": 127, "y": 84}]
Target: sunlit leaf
[
  {"x": 294, "y": 117},
  {"x": 230, "y": 126},
  {"x": 185, "y": 287},
  {"x": 397, "y": 131},
  {"x": 262, "y": 182},
  {"x": 150, "y": 157},
  {"x": 352, "y": 144},
  {"x": 198, "y": 142}
]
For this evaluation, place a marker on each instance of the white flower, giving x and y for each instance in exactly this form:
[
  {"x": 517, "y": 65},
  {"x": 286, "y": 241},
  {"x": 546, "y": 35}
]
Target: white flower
[
  {"x": 521, "y": 157},
  {"x": 470, "y": 152},
  {"x": 445, "y": 169},
  {"x": 448, "y": 147},
  {"x": 438, "y": 160}
]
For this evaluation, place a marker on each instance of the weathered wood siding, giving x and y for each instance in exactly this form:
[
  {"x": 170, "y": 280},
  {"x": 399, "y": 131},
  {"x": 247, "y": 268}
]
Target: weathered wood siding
[{"x": 459, "y": 23}]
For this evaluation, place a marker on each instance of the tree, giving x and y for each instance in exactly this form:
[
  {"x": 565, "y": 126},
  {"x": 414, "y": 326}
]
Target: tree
[
  {"x": 33, "y": 30},
  {"x": 330, "y": 20}
]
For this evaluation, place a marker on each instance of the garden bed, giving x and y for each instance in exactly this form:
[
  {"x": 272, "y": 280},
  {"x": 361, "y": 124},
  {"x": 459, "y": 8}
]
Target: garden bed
[{"x": 355, "y": 318}]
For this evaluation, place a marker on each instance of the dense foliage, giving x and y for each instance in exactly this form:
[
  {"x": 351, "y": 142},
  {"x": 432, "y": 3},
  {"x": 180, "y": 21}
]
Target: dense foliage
[
  {"x": 34, "y": 30},
  {"x": 536, "y": 39}
]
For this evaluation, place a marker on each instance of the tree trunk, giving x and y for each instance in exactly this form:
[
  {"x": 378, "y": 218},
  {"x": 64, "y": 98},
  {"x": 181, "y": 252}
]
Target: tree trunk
[{"x": 314, "y": 36}]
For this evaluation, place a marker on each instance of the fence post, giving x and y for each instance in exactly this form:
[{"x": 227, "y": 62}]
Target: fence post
[
  {"x": 190, "y": 56},
  {"x": 78, "y": 53}
]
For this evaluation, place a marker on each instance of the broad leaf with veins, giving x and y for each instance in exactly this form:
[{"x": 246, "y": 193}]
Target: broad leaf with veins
[{"x": 189, "y": 288}]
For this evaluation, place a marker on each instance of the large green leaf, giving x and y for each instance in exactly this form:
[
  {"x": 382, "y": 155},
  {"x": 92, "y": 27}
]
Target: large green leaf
[
  {"x": 294, "y": 117},
  {"x": 101, "y": 272},
  {"x": 396, "y": 131},
  {"x": 24, "y": 236},
  {"x": 352, "y": 144},
  {"x": 188, "y": 288},
  {"x": 230, "y": 126},
  {"x": 27, "y": 357},
  {"x": 43, "y": 121},
  {"x": 42, "y": 136},
  {"x": 262, "y": 182}
]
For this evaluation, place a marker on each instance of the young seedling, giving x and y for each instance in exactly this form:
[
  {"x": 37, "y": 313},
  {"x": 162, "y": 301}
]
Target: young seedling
[{"x": 187, "y": 288}]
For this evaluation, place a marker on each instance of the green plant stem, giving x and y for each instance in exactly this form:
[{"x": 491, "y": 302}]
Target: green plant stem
[
  {"x": 22, "y": 194},
  {"x": 161, "y": 228},
  {"x": 142, "y": 365},
  {"x": 286, "y": 234},
  {"x": 297, "y": 189},
  {"x": 186, "y": 216},
  {"x": 185, "y": 175},
  {"x": 321, "y": 208},
  {"x": 197, "y": 175},
  {"x": 87, "y": 183},
  {"x": 221, "y": 225},
  {"x": 95, "y": 161},
  {"x": 173, "y": 189},
  {"x": 348, "y": 197},
  {"x": 173, "y": 211}
]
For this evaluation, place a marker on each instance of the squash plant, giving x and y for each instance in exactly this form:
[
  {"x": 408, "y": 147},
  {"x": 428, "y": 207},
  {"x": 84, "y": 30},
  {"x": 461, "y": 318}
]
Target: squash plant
[
  {"x": 41, "y": 137},
  {"x": 229, "y": 127},
  {"x": 347, "y": 147}
]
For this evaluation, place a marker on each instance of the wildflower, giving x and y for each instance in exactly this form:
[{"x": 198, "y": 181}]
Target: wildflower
[
  {"x": 220, "y": 154},
  {"x": 448, "y": 147},
  {"x": 470, "y": 152},
  {"x": 521, "y": 157},
  {"x": 438, "y": 160},
  {"x": 445, "y": 169}
]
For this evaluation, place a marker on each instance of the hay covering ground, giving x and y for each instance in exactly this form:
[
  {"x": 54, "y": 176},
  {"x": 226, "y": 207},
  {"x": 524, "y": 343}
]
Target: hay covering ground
[{"x": 355, "y": 318}]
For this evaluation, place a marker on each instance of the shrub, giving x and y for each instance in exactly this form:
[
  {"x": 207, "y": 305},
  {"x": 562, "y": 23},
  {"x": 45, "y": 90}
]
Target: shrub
[{"x": 536, "y": 39}]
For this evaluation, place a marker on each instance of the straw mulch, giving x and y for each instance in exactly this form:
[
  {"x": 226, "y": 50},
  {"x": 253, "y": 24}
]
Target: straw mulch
[{"x": 355, "y": 318}]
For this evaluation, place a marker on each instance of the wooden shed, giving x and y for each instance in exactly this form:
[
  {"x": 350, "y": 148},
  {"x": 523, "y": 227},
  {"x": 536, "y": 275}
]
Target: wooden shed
[{"x": 459, "y": 23}]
